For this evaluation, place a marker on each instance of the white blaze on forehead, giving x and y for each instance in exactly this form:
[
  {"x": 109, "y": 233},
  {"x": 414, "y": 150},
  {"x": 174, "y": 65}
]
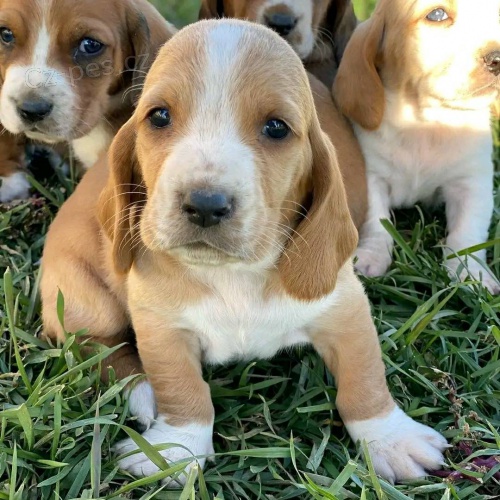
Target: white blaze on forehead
[{"x": 42, "y": 46}]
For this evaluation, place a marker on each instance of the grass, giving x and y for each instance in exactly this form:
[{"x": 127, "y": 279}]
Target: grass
[{"x": 277, "y": 432}]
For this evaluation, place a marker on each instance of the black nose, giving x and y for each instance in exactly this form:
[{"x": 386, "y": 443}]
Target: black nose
[
  {"x": 33, "y": 111},
  {"x": 206, "y": 209},
  {"x": 492, "y": 60},
  {"x": 283, "y": 24}
]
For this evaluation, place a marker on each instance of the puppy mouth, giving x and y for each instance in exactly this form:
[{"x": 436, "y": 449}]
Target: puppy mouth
[
  {"x": 45, "y": 137},
  {"x": 203, "y": 253}
]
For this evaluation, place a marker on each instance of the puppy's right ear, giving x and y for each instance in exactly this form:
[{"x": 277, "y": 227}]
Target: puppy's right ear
[
  {"x": 121, "y": 201},
  {"x": 358, "y": 88},
  {"x": 211, "y": 8}
]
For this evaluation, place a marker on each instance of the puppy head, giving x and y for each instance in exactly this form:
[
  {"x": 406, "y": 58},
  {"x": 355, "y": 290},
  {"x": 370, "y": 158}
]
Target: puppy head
[
  {"x": 224, "y": 163},
  {"x": 435, "y": 55},
  {"x": 65, "y": 63},
  {"x": 306, "y": 24}
]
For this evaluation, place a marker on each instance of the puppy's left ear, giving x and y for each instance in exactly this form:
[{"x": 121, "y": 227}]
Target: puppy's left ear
[
  {"x": 340, "y": 23},
  {"x": 326, "y": 238},
  {"x": 148, "y": 31}
]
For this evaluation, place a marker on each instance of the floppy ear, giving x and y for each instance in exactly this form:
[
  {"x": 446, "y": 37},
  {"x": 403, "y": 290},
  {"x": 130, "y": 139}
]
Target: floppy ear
[
  {"x": 147, "y": 31},
  {"x": 211, "y": 8},
  {"x": 358, "y": 88},
  {"x": 120, "y": 202},
  {"x": 326, "y": 238},
  {"x": 340, "y": 22}
]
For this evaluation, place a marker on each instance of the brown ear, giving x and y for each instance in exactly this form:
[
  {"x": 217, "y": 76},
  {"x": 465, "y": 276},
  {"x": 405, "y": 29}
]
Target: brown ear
[
  {"x": 211, "y": 8},
  {"x": 121, "y": 200},
  {"x": 358, "y": 88},
  {"x": 147, "y": 31},
  {"x": 326, "y": 238},
  {"x": 340, "y": 22}
]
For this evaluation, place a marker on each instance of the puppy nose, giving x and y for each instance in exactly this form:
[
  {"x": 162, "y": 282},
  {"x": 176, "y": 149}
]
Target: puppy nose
[
  {"x": 33, "y": 111},
  {"x": 283, "y": 24},
  {"x": 492, "y": 61},
  {"x": 206, "y": 209}
]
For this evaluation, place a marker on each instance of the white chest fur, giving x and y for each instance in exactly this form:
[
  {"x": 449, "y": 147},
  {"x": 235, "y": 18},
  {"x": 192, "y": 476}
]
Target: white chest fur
[
  {"x": 237, "y": 322},
  {"x": 417, "y": 157},
  {"x": 88, "y": 148}
]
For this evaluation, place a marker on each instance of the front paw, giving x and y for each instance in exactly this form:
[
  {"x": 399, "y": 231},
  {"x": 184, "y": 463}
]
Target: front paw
[
  {"x": 142, "y": 403},
  {"x": 14, "y": 187},
  {"x": 196, "y": 438},
  {"x": 471, "y": 269},
  {"x": 400, "y": 448},
  {"x": 372, "y": 263}
]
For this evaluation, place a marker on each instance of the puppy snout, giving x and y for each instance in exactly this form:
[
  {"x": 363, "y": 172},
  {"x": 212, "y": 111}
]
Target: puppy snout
[
  {"x": 207, "y": 209},
  {"x": 283, "y": 24},
  {"x": 34, "y": 110},
  {"x": 492, "y": 61}
]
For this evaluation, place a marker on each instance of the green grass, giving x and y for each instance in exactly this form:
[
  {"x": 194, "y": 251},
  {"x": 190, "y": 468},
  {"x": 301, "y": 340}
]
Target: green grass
[{"x": 277, "y": 432}]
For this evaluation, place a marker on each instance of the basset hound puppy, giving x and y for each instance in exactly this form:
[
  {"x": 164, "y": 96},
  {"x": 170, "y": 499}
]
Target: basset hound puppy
[
  {"x": 71, "y": 70},
  {"x": 418, "y": 81},
  {"x": 318, "y": 30},
  {"x": 218, "y": 228}
]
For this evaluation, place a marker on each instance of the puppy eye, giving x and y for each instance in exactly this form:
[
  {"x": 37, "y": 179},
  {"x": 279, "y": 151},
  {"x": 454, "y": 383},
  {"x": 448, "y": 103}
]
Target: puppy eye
[
  {"x": 437, "y": 15},
  {"x": 7, "y": 36},
  {"x": 276, "y": 129},
  {"x": 160, "y": 118},
  {"x": 90, "y": 47}
]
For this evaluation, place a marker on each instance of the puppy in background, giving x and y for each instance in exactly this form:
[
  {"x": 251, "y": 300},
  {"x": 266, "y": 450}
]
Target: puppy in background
[
  {"x": 418, "y": 82},
  {"x": 70, "y": 71},
  {"x": 318, "y": 30},
  {"x": 13, "y": 183},
  {"x": 222, "y": 233}
]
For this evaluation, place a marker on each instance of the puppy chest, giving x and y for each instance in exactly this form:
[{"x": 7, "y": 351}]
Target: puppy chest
[{"x": 240, "y": 324}]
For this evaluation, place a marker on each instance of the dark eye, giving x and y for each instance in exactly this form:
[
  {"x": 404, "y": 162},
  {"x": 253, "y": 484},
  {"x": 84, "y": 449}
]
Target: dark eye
[
  {"x": 90, "y": 47},
  {"x": 276, "y": 129},
  {"x": 7, "y": 36},
  {"x": 437, "y": 15},
  {"x": 160, "y": 118}
]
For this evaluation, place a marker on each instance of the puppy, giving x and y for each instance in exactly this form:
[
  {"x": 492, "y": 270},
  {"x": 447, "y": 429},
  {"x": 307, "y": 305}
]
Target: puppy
[
  {"x": 70, "y": 71},
  {"x": 222, "y": 233},
  {"x": 318, "y": 30},
  {"x": 13, "y": 183},
  {"x": 418, "y": 81}
]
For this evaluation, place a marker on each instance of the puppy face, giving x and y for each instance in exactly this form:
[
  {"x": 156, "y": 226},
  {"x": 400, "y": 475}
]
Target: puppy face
[
  {"x": 300, "y": 22},
  {"x": 63, "y": 64},
  {"x": 436, "y": 54},
  {"x": 231, "y": 166}
]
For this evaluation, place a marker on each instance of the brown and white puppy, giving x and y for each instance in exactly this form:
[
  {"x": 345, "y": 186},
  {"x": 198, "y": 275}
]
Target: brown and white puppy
[
  {"x": 318, "y": 30},
  {"x": 13, "y": 183},
  {"x": 417, "y": 80},
  {"x": 222, "y": 233},
  {"x": 69, "y": 71}
]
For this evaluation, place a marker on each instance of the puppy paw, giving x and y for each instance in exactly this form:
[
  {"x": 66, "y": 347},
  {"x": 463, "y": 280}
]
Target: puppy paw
[
  {"x": 14, "y": 187},
  {"x": 400, "y": 448},
  {"x": 196, "y": 438},
  {"x": 372, "y": 263},
  {"x": 474, "y": 271},
  {"x": 142, "y": 403}
]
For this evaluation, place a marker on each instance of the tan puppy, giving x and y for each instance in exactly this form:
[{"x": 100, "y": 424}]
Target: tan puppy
[
  {"x": 223, "y": 233},
  {"x": 70, "y": 70},
  {"x": 318, "y": 30},
  {"x": 418, "y": 81}
]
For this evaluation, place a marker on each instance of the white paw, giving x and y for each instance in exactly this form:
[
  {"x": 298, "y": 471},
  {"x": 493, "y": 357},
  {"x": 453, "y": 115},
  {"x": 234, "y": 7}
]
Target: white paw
[
  {"x": 142, "y": 403},
  {"x": 400, "y": 448},
  {"x": 473, "y": 270},
  {"x": 14, "y": 187},
  {"x": 373, "y": 263},
  {"x": 196, "y": 438}
]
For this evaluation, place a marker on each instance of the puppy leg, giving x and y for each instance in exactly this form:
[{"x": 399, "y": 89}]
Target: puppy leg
[
  {"x": 13, "y": 182},
  {"x": 374, "y": 252},
  {"x": 469, "y": 206},
  {"x": 185, "y": 411},
  {"x": 400, "y": 448}
]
